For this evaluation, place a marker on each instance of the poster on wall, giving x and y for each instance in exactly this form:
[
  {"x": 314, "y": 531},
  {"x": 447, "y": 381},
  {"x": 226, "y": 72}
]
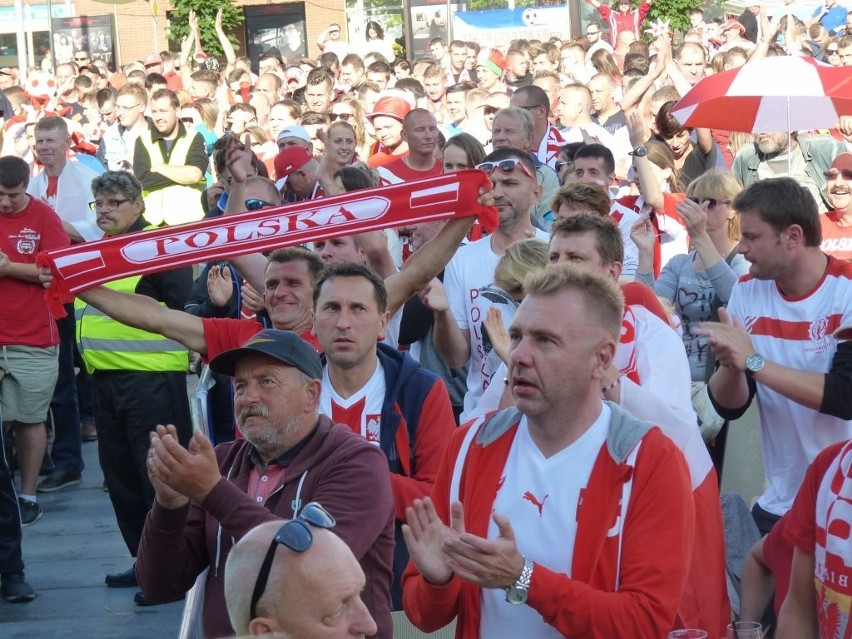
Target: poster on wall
[
  {"x": 278, "y": 26},
  {"x": 94, "y": 35},
  {"x": 429, "y": 19},
  {"x": 375, "y": 26}
]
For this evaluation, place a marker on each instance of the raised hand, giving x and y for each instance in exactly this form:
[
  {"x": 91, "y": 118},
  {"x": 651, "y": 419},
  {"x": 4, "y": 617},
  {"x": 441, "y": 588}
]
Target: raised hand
[
  {"x": 425, "y": 535},
  {"x": 497, "y": 333},
  {"x": 220, "y": 286}
]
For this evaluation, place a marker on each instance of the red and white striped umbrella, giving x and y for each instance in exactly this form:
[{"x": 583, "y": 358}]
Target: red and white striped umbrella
[{"x": 780, "y": 93}]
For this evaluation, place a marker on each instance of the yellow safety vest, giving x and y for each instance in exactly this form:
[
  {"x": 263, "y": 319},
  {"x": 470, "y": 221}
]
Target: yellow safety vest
[
  {"x": 179, "y": 203},
  {"x": 108, "y": 345}
]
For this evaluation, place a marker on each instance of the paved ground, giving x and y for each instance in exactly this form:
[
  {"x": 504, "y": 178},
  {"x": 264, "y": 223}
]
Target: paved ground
[{"x": 67, "y": 553}]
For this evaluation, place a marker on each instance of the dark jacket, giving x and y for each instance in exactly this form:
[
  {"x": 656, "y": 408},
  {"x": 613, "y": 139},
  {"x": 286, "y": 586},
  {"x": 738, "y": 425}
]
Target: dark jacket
[
  {"x": 416, "y": 423},
  {"x": 336, "y": 468}
]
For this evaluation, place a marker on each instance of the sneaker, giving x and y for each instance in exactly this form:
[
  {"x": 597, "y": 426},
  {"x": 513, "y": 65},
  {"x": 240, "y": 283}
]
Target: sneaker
[
  {"x": 30, "y": 512},
  {"x": 59, "y": 480},
  {"x": 15, "y": 589}
]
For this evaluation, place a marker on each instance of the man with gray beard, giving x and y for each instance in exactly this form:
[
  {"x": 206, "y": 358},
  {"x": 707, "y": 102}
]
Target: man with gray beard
[
  {"x": 207, "y": 500},
  {"x": 810, "y": 156}
]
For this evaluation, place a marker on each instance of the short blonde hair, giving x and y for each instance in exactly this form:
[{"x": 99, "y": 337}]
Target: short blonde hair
[
  {"x": 604, "y": 302},
  {"x": 520, "y": 259},
  {"x": 718, "y": 185}
]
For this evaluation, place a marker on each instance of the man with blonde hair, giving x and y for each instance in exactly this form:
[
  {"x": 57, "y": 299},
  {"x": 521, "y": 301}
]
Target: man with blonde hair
[{"x": 546, "y": 487}]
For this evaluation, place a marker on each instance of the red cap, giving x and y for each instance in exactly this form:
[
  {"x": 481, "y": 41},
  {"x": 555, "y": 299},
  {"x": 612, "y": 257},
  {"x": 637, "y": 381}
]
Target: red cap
[
  {"x": 290, "y": 159},
  {"x": 391, "y": 106},
  {"x": 732, "y": 24},
  {"x": 151, "y": 60}
]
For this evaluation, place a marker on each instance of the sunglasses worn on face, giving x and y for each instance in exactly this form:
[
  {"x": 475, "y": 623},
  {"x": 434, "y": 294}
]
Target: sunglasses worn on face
[
  {"x": 831, "y": 51},
  {"x": 505, "y": 166},
  {"x": 346, "y": 117},
  {"x": 256, "y": 205},
  {"x": 833, "y": 174},
  {"x": 297, "y": 536},
  {"x": 711, "y": 201}
]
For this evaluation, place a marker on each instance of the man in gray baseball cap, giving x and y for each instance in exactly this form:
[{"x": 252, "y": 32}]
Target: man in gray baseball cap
[{"x": 207, "y": 500}]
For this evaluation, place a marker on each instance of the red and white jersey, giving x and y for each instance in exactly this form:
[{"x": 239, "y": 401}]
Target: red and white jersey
[
  {"x": 551, "y": 144},
  {"x": 540, "y": 496},
  {"x": 672, "y": 236},
  {"x": 399, "y": 171},
  {"x": 361, "y": 411},
  {"x": 794, "y": 332},
  {"x": 820, "y": 523}
]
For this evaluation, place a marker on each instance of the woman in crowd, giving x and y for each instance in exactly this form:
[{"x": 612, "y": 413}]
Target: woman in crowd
[
  {"x": 698, "y": 283},
  {"x": 376, "y": 42},
  {"x": 348, "y": 109}
]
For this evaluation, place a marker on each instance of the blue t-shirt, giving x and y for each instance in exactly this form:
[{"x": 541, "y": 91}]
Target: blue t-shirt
[{"x": 834, "y": 19}]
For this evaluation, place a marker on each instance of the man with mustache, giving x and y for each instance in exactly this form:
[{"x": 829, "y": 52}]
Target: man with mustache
[
  {"x": 208, "y": 500},
  {"x": 139, "y": 376},
  {"x": 837, "y": 223}
]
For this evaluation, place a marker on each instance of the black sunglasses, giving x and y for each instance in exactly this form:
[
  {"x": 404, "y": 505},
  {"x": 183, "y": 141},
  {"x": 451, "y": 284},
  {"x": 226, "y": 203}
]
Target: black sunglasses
[
  {"x": 711, "y": 201},
  {"x": 343, "y": 116},
  {"x": 256, "y": 205},
  {"x": 297, "y": 536}
]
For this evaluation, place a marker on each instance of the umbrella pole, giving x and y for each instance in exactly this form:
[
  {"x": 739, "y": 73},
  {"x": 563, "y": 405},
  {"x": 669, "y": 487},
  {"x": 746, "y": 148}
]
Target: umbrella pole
[{"x": 789, "y": 142}]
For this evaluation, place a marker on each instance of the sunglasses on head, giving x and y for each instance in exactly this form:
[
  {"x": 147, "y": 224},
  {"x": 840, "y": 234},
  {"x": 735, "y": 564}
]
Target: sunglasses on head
[
  {"x": 711, "y": 201},
  {"x": 297, "y": 536},
  {"x": 255, "y": 204},
  {"x": 505, "y": 166}
]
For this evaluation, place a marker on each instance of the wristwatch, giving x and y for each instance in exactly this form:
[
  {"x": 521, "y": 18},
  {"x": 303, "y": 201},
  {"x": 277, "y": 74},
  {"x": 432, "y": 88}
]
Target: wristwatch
[
  {"x": 518, "y": 592},
  {"x": 754, "y": 363},
  {"x": 639, "y": 152}
]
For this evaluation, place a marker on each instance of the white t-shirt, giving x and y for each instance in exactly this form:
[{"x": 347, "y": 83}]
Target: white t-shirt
[
  {"x": 540, "y": 497},
  {"x": 361, "y": 411},
  {"x": 795, "y": 333},
  {"x": 471, "y": 270}
]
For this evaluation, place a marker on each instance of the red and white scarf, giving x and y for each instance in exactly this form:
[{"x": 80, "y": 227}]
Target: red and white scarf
[{"x": 83, "y": 266}]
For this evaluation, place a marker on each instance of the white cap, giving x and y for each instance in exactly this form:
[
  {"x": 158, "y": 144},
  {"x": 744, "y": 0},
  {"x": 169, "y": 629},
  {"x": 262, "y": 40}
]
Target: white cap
[{"x": 293, "y": 131}]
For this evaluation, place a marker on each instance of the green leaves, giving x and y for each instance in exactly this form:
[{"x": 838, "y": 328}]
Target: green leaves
[{"x": 232, "y": 17}]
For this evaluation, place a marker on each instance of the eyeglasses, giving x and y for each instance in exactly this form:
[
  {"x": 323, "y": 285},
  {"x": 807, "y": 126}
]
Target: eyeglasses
[
  {"x": 297, "y": 536},
  {"x": 505, "y": 166},
  {"x": 833, "y": 174},
  {"x": 121, "y": 109},
  {"x": 109, "y": 205},
  {"x": 76, "y": 59},
  {"x": 831, "y": 51},
  {"x": 188, "y": 120},
  {"x": 346, "y": 117},
  {"x": 711, "y": 201},
  {"x": 588, "y": 33},
  {"x": 255, "y": 204},
  {"x": 559, "y": 165}
]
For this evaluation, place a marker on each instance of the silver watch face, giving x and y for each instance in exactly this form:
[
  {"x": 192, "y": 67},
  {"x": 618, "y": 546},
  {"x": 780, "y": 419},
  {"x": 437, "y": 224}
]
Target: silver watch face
[
  {"x": 754, "y": 362},
  {"x": 639, "y": 152},
  {"x": 516, "y": 595}
]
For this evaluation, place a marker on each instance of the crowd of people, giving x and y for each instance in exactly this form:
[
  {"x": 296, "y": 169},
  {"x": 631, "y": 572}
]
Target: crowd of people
[{"x": 520, "y": 428}]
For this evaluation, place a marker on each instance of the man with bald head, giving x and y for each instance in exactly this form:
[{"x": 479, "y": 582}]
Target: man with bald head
[
  {"x": 605, "y": 110},
  {"x": 303, "y": 590},
  {"x": 547, "y": 141},
  {"x": 420, "y": 133}
]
